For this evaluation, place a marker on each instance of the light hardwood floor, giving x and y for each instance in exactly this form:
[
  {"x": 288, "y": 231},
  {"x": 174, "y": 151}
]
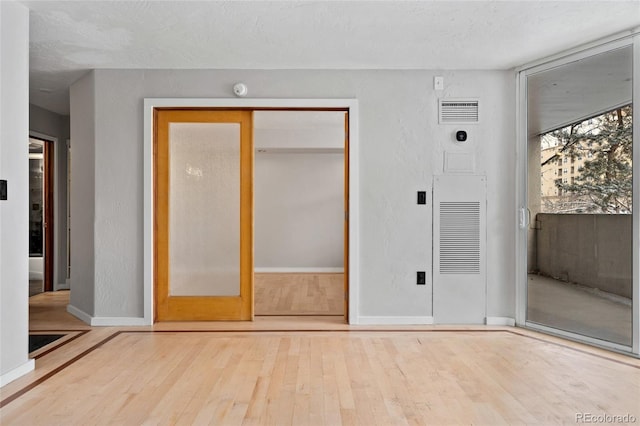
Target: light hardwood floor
[
  {"x": 299, "y": 294},
  {"x": 327, "y": 373},
  {"x": 35, "y": 287}
]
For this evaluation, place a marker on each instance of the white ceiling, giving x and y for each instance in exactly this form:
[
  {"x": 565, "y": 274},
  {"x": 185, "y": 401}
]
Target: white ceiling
[{"x": 70, "y": 37}]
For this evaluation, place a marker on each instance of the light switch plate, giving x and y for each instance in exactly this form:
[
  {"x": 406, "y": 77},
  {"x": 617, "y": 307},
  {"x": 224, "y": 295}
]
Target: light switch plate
[
  {"x": 3, "y": 189},
  {"x": 438, "y": 83}
]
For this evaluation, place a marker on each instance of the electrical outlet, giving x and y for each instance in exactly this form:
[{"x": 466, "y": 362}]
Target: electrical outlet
[
  {"x": 421, "y": 278},
  {"x": 422, "y": 197}
]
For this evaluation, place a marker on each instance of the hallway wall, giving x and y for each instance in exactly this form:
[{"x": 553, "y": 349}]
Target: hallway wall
[{"x": 83, "y": 194}]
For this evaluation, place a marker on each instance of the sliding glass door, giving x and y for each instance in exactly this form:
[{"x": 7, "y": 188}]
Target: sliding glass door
[{"x": 578, "y": 215}]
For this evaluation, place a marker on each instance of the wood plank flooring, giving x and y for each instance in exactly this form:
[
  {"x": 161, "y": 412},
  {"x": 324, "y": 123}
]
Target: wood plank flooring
[
  {"x": 48, "y": 311},
  {"x": 299, "y": 294},
  {"x": 35, "y": 287},
  {"x": 329, "y": 374}
]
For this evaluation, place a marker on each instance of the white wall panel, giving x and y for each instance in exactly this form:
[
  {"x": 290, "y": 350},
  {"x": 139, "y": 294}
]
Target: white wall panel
[{"x": 459, "y": 249}]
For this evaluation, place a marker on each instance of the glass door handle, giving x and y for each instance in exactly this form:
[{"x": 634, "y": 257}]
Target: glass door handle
[{"x": 524, "y": 217}]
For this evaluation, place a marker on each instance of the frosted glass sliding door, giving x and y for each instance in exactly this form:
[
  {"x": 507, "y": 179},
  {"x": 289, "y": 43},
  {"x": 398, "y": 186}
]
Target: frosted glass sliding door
[
  {"x": 204, "y": 209},
  {"x": 203, "y": 162}
]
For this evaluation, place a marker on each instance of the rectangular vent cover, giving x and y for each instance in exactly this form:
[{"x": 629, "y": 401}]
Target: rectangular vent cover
[
  {"x": 458, "y": 111},
  {"x": 460, "y": 237}
]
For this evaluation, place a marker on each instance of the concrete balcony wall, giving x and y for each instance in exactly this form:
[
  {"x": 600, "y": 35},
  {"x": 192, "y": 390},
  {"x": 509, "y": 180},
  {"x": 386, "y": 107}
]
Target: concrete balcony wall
[{"x": 592, "y": 250}]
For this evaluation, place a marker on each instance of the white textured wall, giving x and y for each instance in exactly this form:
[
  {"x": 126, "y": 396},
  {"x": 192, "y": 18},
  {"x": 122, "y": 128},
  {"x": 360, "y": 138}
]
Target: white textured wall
[
  {"x": 401, "y": 148},
  {"x": 57, "y": 126},
  {"x": 14, "y": 214},
  {"x": 84, "y": 241},
  {"x": 299, "y": 210}
]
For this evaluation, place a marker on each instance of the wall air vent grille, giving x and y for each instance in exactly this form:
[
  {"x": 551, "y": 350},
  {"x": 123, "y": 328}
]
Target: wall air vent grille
[
  {"x": 459, "y": 237},
  {"x": 458, "y": 111}
]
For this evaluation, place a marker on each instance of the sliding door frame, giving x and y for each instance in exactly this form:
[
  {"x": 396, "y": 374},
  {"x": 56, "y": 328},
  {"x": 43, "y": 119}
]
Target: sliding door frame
[
  {"x": 614, "y": 42},
  {"x": 348, "y": 105}
]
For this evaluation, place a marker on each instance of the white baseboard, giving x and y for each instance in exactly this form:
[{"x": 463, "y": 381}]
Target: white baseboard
[
  {"x": 17, "y": 372},
  {"x": 117, "y": 321},
  {"x": 366, "y": 320},
  {"x": 36, "y": 268},
  {"x": 285, "y": 270},
  {"x": 510, "y": 322},
  {"x": 106, "y": 321},
  {"x": 80, "y": 314}
]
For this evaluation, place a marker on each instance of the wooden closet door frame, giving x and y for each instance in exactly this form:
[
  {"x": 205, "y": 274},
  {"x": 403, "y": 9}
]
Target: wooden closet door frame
[
  {"x": 346, "y": 217},
  {"x": 352, "y": 250}
]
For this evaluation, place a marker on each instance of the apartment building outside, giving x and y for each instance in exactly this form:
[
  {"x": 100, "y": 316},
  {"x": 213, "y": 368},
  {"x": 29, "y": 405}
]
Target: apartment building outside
[{"x": 559, "y": 168}]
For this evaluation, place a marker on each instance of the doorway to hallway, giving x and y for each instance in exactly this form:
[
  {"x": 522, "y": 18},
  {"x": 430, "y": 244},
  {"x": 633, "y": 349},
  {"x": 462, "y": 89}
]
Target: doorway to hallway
[{"x": 41, "y": 216}]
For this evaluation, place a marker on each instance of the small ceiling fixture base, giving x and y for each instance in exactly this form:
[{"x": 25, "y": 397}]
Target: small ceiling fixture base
[{"x": 240, "y": 89}]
